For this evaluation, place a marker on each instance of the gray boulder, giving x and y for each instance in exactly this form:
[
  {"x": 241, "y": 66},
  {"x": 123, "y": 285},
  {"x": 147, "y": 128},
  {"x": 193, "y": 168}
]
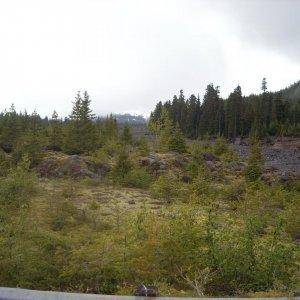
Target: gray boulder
[{"x": 208, "y": 156}]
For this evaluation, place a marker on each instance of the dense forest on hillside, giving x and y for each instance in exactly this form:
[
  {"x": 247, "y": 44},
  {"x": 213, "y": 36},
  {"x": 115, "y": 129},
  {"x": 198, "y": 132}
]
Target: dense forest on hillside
[
  {"x": 270, "y": 113},
  {"x": 87, "y": 207}
]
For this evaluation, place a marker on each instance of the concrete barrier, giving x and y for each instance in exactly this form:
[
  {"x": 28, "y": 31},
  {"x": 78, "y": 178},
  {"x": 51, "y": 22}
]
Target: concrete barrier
[{"x": 24, "y": 294}]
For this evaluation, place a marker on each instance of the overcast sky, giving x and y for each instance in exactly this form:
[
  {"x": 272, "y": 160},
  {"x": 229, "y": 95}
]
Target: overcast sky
[{"x": 128, "y": 54}]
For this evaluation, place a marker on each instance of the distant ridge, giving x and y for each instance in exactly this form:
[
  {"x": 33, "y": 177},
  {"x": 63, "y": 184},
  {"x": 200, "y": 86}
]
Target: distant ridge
[
  {"x": 292, "y": 93},
  {"x": 130, "y": 119}
]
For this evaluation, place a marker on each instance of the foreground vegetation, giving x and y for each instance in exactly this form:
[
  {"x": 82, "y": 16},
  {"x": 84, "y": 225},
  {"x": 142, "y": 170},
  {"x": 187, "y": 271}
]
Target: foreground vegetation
[
  {"x": 190, "y": 219},
  {"x": 222, "y": 233}
]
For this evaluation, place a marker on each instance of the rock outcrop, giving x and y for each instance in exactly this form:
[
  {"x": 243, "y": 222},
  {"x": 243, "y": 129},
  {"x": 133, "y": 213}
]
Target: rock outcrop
[
  {"x": 73, "y": 166},
  {"x": 160, "y": 162}
]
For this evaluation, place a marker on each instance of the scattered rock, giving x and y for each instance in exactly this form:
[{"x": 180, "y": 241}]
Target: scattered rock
[
  {"x": 211, "y": 165},
  {"x": 144, "y": 161},
  {"x": 6, "y": 147},
  {"x": 186, "y": 179},
  {"x": 237, "y": 166},
  {"x": 285, "y": 177},
  {"x": 286, "y": 143},
  {"x": 152, "y": 158},
  {"x": 208, "y": 156},
  {"x": 154, "y": 163},
  {"x": 73, "y": 166},
  {"x": 163, "y": 164},
  {"x": 282, "y": 158},
  {"x": 146, "y": 291},
  {"x": 267, "y": 178},
  {"x": 180, "y": 160},
  {"x": 270, "y": 168}
]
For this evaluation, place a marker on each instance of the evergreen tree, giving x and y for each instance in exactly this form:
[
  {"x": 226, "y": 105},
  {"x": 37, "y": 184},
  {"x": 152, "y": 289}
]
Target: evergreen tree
[
  {"x": 122, "y": 167},
  {"x": 177, "y": 141},
  {"x": 10, "y": 127},
  {"x": 110, "y": 128},
  {"x": 212, "y": 112},
  {"x": 256, "y": 115},
  {"x": 255, "y": 162},
  {"x": 193, "y": 117},
  {"x": 165, "y": 130},
  {"x": 55, "y": 133},
  {"x": 264, "y": 85},
  {"x": 126, "y": 136},
  {"x": 155, "y": 117},
  {"x": 80, "y": 133},
  {"x": 182, "y": 113},
  {"x": 234, "y": 124},
  {"x": 88, "y": 130}
]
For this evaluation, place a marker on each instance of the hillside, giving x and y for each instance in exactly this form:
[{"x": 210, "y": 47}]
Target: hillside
[
  {"x": 292, "y": 93},
  {"x": 130, "y": 119}
]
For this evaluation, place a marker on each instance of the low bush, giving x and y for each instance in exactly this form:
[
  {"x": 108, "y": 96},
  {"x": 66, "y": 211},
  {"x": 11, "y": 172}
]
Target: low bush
[
  {"x": 112, "y": 147},
  {"x": 220, "y": 147},
  {"x": 234, "y": 191},
  {"x": 63, "y": 213},
  {"x": 253, "y": 171},
  {"x": 69, "y": 190},
  {"x": 143, "y": 146},
  {"x": 167, "y": 187},
  {"x": 196, "y": 150},
  {"x": 5, "y": 163},
  {"x": 138, "y": 178},
  {"x": 100, "y": 156},
  {"x": 203, "y": 186},
  {"x": 122, "y": 167},
  {"x": 19, "y": 185},
  {"x": 29, "y": 145}
]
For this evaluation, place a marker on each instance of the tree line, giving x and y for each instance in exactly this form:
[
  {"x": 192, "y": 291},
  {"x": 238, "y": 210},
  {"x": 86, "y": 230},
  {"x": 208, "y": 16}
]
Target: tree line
[
  {"x": 79, "y": 133},
  {"x": 260, "y": 115}
]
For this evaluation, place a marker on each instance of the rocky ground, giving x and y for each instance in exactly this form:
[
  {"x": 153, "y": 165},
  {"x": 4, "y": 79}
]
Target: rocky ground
[
  {"x": 283, "y": 155},
  {"x": 282, "y": 159}
]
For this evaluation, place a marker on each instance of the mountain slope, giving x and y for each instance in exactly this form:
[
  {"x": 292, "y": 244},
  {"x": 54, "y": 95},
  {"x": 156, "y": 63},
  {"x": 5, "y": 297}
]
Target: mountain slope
[{"x": 292, "y": 93}]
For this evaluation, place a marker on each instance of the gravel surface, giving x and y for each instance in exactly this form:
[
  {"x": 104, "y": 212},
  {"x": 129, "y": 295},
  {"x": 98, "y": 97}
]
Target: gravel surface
[{"x": 285, "y": 160}]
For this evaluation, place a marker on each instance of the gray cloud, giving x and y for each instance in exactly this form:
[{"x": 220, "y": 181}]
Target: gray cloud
[
  {"x": 130, "y": 54},
  {"x": 273, "y": 24}
]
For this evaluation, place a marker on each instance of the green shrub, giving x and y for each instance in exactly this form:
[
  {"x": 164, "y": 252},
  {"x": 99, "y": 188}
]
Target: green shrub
[
  {"x": 166, "y": 187},
  {"x": 220, "y": 147},
  {"x": 234, "y": 191},
  {"x": 197, "y": 151},
  {"x": 63, "y": 213},
  {"x": 30, "y": 145},
  {"x": 19, "y": 184},
  {"x": 69, "y": 190},
  {"x": 126, "y": 136},
  {"x": 112, "y": 147},
  {"x": 122, "y": 167},
  {"x": 143, "y": 146},
  {"x": 91, "y": 182},
  {"x": 5, "y": 163},
  {"x": 138, "y": 178},
  {"x": 202, "y": 186},
  {"x": 177, "y": 141},
  {"x": 253, "y": 171},
  {"x": 100, "y": 156}
]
